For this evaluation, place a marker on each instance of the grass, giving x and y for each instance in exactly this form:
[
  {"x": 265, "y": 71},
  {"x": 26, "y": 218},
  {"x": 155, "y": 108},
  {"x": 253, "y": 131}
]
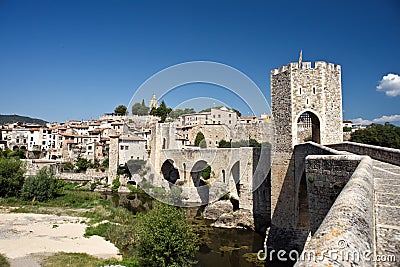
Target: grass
[
  {"x": 72, "y": 260},
  {"x": 82, "y": 260},
  {"x": 3, "y": 261},
  {"x": 112, "y": 223}
]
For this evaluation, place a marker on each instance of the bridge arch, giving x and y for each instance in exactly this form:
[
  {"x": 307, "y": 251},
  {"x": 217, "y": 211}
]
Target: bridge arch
[
  {"x": 308, "y": 125},
  {"x": 169, "y": 172}
]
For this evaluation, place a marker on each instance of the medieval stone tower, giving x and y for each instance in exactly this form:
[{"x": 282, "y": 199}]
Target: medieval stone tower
[
  {"x": 307, "y": 97},
  {"x": 306, "y": 105}
]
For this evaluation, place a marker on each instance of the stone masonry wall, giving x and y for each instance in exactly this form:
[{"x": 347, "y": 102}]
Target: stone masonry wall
[
  {"x": 113, "y": 158},
  {"x": 326, "y": 176},
  {"x": 348, "y": 227},
  {"x": 385, "y": 154},
  {"x": 296, "y": 89}
]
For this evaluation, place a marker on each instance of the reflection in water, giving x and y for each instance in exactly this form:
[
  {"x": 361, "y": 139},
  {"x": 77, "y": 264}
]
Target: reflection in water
[{"x": 219, "y": 246}]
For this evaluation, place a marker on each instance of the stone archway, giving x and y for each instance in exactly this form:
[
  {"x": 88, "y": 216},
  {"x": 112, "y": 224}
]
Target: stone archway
[
  {"x": 169, "y": 172},
  {"x": 308, "y": 128}
]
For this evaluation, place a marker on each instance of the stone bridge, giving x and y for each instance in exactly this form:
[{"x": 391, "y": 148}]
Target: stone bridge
[
  {"x": 243, "y": 172},
  {"x": 342, "y": 201}
]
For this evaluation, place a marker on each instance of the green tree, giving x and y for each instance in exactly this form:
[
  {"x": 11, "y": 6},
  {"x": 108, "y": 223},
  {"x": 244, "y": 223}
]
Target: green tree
[
  {"x": 140, "y": 109},
  {"x": 179, "y": 112},
  {"x": 206, "y": 172},
  {"x": 237, "y": 112},
  {"x": 162, "y": 111},
  {"x": 163, "y": 237},
  {"x": 82, "y": 164},
  {"x": 105, "y": 163},
  {"x": 11, "y": 176},
  {"x": 17, "y": 152},
  {"x": 387, "y": 135},
  {"x": 224, "y": 144},
  {"x": 347, "y": 129},
  {"x": 120, "y": 110},
  {"x": 200, "y": 140},
  {"x": 41, "y": 187}
]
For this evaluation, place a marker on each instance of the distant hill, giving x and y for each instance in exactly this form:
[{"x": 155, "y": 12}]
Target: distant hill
[{"x": 16, "y": 118}]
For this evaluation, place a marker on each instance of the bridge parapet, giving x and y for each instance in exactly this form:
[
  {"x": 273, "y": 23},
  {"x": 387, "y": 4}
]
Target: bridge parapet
[
  {"x": 348, "y": 228},
  {"x": 385, "y": 154}
]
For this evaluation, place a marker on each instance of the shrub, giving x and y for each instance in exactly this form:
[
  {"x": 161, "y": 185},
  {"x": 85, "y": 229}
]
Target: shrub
[
  {"x": 347, "y": 129},
  {"x": 105, "y": 163},
  {"x": 42, "y": 186},
  {"x": 68, "y": 166},
  {"x": 11, "y": 176},
  {"x": 206, "y": 172},
  {"x": 224, "y": 144},
  {"x": 82, "y": 164},
  {"x": 200, "y": 140},
  {"x": 163, "y": 237},
  {"x": 115, "y": 184}
]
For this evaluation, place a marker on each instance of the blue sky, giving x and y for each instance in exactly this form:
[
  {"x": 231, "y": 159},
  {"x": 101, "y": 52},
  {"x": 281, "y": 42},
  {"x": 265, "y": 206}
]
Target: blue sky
[{"x": 71, "y": 59}]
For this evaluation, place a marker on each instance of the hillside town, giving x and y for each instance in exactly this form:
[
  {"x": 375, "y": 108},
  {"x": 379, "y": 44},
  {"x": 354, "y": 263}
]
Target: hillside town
[{"x": 70, "y": 140}]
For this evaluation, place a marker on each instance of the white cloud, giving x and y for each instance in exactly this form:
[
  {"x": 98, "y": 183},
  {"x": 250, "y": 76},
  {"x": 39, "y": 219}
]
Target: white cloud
[
  {"x": 383, "y": 119},
  {"x": 390, "y": 84}
]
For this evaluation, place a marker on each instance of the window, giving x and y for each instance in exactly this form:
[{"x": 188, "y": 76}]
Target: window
[
  {"x": 31, "y": 138},
  {"x": 307, "y": 101},
  {"x": 219, "y": 115},
  {"x": 230, "y": 115},
  {"x": 314, "y": 90},
  {"x": 126, "y": 147},
  {"x": 122, "y": 147},
  {"x": 89, "y": 147},
  {"x": 300, "y": 90},
  {"x": 230, "y": 122}
]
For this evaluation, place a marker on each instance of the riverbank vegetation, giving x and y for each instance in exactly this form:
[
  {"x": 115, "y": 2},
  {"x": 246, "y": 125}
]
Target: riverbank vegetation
[
  {"x": 3, "y": 261},
  {"x": 135, "y": 236}
]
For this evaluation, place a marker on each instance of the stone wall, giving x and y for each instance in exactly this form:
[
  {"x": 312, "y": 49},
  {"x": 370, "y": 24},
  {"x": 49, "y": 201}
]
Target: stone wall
[
  {"x": 385, "y": 154},
  {"x": 325, "y": 177},
  {"x": 113, "y": 158},
  {"x": 286, "y": 215},
  {"x": 348, "y": 227},
  {"x": 88, "y": 176}
]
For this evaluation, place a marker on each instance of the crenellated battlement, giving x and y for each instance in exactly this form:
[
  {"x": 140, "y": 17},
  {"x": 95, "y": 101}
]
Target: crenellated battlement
[{"x": 306, "y": 66}]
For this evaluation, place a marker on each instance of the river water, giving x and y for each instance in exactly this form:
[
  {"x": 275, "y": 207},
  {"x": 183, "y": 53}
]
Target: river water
[{"x": 219, "y": 246}]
